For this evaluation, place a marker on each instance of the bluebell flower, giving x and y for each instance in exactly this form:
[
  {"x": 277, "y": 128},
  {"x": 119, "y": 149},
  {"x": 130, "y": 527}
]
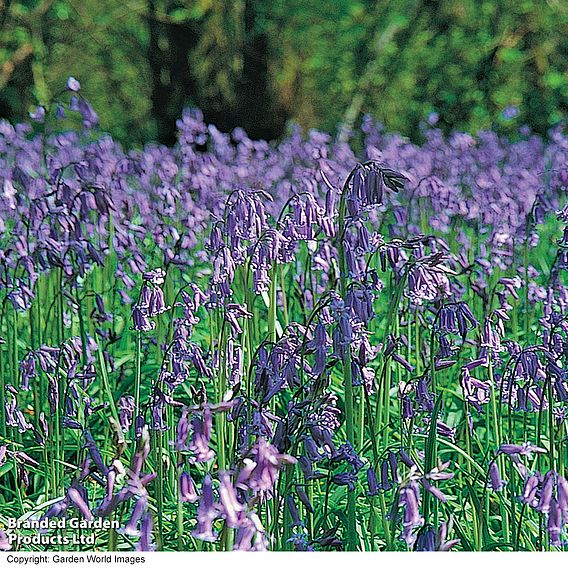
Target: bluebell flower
[
  {"x": 140, "y": 507},
  {"x": 188, "y": 492},
  {"x": 207, "y": 512},
  {"x": 73, "y": 85},
  {"x": 495, "y": 480},
  {"x": 409, "y": 500},
  {"x": 347, "y": 478},
  {"x": 38, "y": 115},
  {"x": 146, "y": 527},
  {"x": 231, "y": 508},
  {"x": 78, "y": 500}
]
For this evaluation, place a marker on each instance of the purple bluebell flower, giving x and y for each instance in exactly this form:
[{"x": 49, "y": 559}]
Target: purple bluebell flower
[
  {"x": 90, "y": 118},
  {"x": 25, "y": 459},
  {"x": 372, "y": 482},
  {"x": 125, "y": 407},
  {"x": 348, "y": 478},
  {"x": 22, "y": 475},
  {"x": 440, "y": 365},
  {"x": 140, "y": 320},
  {"x": 301, "y": 542},
  {"x": 442, "y": 544},
  {"x": 140, "y": 507},
  {"x": 251, "y": 535},
  {"x": 426, "y": 540},
  {"x": 71, "y": 423},
  {"x": 345, "y": 452},
  {"x": 307, "y": 468},
  {"x": 73, "y": 85},
  {"x": 433, "y": 118},
  {"x": 10, "y": 406},
  {"x": 195, "y": 356},
  {"x": 446, "y": 322},
  {"x": 319, "y": 344},
  {"x": 267, "y": 464},
  {"x": 440, "y": 472},
  {"x": 427, "y": 282},
  {"x": 562, "y": 491},
  {"x": 386, "y": 483},
  {"x": 293, "y": 510},
  {"x": 231, "y": 508},
  {"x": 510, "y": 112},
  {"x": 235, "y": 362},
  {"x": 27, "y": 370},
  {"x": 402, "y": 361},
  {"x": 368, "y": 180},
  {"x": 95, "y": 453},
  {"x": 157, "y": 304},
  {"x": 207, "y": 512},
  {"x": 555, "y": 523},
  {"x": 57, "y": 510},
  {"x": 393, "y": 465},
  {"x": 38, "y": 114},
  {"x": 4, "y": 541},
  {"x": 444, "y": 430},
  {"x": 201, "y": 436},
  {"x": 476, "y": 392},
  {"x": 409, "y": 499},
  {"x": 188, "y": 493},
  {"x": 465, "y": 319},
  {"x": 406, "y": 459},
  {"x": 546, "y": 493},
  {"x": 407, "y": 410},
  {"x": 495, "y": 480},
  {"x": 22, "y": 423},
  {"x": 474, "y": 364},
  {"x": 146, "y": 528},
  {"x": 142, "y": 452},
  {"x": 304, "y": 499},
  {"x": 313, "y": 453},
  {"x": 78, "y": 500},
  {"x": 433, "y": 490},
  {"x": 183, "y": 429},
  {"x": 139, "y": 425},
  {"x": 232, "y": 314},
  {"x": 158, "y": 410},
  {"x": 525, "y": 449},
  {"x": 424, "y": 397}
]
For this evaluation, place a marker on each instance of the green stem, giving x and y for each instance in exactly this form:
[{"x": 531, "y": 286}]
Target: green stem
[
  {"x": 138, "y": 375},
  {"x": 347, "y": 373}
]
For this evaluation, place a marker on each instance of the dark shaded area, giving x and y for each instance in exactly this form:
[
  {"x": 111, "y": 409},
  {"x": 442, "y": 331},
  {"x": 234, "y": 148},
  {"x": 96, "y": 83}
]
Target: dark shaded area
[
  {"x": 172, "y": 81},
  {"x": 256, "y": 108},
  {"x": 252, "y": 105}
]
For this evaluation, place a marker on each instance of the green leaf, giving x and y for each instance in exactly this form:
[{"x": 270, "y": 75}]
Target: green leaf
[
  {"x": 180, "y": 15},
  {"x": 4, "y": 469}
]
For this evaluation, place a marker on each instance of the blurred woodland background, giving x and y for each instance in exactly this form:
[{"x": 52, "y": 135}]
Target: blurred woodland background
[{"x": 261, "y": 64}]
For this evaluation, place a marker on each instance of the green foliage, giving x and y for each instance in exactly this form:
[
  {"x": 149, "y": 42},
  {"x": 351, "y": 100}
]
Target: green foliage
[
  {"x": 466, "y": 60},
  {"x": 101, "y": 43},
  {"x": 397, "y": 59}
]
